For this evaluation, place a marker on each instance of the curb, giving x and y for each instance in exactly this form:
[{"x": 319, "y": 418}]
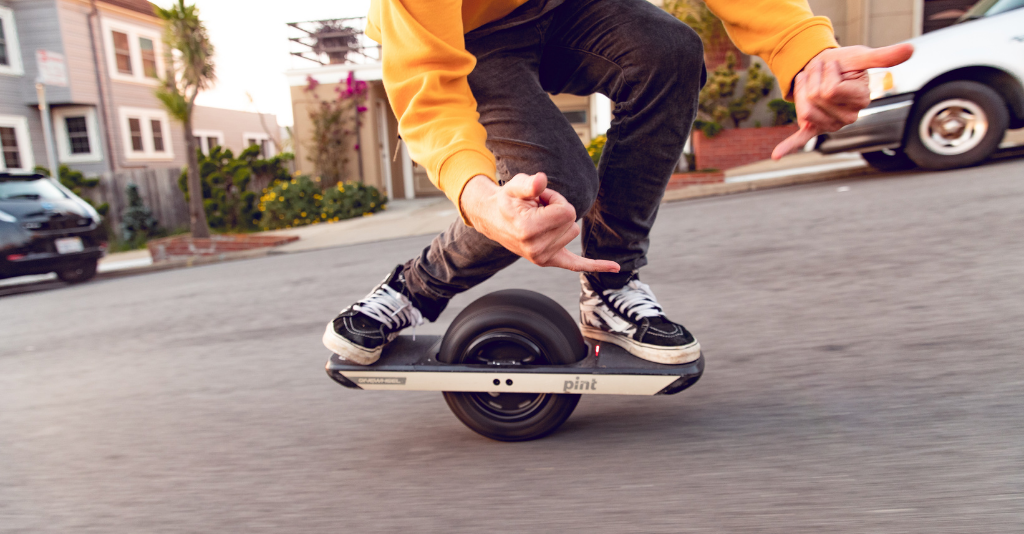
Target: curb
[
  {"x": 730, "y": 188},
  {"x": 185, "y": 263}
]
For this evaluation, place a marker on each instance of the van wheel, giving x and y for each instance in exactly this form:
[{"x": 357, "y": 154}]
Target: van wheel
[{"x": 956, "y": 124}]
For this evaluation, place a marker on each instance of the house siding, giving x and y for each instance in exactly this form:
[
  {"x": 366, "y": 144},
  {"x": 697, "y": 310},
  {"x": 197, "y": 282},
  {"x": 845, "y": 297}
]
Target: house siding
[
  {"x": 19, "y": 93},
  {"x": 39, "y": 29},
  {"x": 124, "y": 94},
  {"x": 234, "y": 124},
  {"x": 74, "y": 23}
]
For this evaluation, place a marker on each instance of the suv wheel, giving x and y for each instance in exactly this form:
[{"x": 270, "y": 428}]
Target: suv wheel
[
  {"x": 79, "y": 273},
  {"x": 955, "y": 125}
]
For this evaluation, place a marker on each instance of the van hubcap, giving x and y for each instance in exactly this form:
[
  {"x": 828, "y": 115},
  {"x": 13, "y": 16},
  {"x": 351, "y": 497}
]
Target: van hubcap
[{"x": 953, "y": 127}]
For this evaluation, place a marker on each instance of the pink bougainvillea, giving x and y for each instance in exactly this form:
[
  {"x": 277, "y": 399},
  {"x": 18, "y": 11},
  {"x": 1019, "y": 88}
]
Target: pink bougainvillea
[{"x": 336, "y": 124}]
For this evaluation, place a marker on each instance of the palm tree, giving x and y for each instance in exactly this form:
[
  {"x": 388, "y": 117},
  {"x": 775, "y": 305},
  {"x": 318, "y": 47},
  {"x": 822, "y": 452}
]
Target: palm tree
[{"x": 189, "y": 71}]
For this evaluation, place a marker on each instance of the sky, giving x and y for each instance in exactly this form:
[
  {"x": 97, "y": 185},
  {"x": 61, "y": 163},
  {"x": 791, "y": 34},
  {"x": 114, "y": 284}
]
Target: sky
[{"x": 251, "y": 48}]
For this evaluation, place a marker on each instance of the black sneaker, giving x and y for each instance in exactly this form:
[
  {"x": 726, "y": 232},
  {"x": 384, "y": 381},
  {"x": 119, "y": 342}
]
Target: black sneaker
[
  {"x": 358, "y": 334},
  {"x": 631, "y": 318}
]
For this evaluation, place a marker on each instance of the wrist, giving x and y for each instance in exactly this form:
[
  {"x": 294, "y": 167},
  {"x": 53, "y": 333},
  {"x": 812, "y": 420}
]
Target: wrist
[{"x": 475, "y": 190}]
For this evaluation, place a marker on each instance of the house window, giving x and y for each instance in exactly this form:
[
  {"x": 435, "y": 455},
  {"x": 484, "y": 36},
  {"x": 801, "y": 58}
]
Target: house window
[
  {"x": 122, "y": 53},
  {"x": 133, "y": 52},
  {"x": 3, "y": 48},
  {"x": 9, "y": 141},
  {"x": 10, "y": 53},
  {"x": 148, "y": 54},
  {"x": 206, "y": 140},
  {"x": 146, "y": 134},
  {"x": 15, "y": 149},
  {"x": 576, "y": 117},
  {"x": 78, "y": 135},
  {"x": 158, "y": 135},
  {"x": 135, "y": 127},
  {"x": 260, "y": 139}
]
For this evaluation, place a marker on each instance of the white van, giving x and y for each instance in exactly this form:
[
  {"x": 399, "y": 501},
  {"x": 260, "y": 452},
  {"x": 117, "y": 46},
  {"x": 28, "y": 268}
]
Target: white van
[{"x": 951, "y": 103}]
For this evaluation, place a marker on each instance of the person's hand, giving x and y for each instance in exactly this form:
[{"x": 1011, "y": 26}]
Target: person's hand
[
  {"x": 833, "y": 87},
  {"x": 528, "y": 219}
]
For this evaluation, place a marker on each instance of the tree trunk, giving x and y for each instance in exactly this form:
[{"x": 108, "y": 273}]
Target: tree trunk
[{"x": 196, "y": 211}]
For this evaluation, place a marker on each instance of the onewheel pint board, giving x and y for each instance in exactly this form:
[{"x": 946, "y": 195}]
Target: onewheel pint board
[{"x": 512, "y": 367}]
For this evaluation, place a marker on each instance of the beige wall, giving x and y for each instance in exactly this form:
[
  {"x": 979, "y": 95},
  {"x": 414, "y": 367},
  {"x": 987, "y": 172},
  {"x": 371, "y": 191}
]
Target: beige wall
[{"x": 234, "y": 124}]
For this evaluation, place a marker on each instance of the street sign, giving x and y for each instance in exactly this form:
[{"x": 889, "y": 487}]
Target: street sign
[{"x": 52, "y": 70}]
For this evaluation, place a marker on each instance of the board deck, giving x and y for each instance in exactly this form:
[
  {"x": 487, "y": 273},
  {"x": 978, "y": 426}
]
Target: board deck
[{"x": 409, "y": 364}]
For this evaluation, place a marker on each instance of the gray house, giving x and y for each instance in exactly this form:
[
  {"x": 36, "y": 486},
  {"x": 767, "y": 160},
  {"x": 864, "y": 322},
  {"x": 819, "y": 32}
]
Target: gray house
[{"x": 107, "y": 119}]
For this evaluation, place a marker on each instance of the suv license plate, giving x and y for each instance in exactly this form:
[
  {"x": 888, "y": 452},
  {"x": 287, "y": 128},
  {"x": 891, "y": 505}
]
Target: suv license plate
[{"x": 67, "y": 245}]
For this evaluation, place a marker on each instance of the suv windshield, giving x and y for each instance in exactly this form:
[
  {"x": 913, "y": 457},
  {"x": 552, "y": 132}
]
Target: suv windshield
[
  {"x": 987, "y": 8},
  {"x": 38, "y": 189}
]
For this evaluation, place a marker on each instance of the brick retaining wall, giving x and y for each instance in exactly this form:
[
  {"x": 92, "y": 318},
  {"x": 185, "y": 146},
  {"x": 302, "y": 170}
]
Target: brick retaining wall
[
  {"x": 732, "y": 148},
  {"x": 186, "y": 246}
]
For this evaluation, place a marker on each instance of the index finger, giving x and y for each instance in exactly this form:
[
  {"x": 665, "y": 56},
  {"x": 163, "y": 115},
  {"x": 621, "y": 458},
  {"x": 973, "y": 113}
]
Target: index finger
[{"x": 874, "y": 58}]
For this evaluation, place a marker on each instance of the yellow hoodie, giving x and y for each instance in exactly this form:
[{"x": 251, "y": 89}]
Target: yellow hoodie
[{"x": 425, "y": 66}]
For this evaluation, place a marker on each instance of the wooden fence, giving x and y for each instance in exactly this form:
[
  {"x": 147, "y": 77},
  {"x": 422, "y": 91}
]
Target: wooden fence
[{"x": 158, "y": 189}]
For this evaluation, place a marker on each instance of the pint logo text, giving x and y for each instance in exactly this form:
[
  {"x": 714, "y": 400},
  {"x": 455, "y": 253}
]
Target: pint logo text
[
  {"x": 381, "y": 380},
  {"x": 580, "y": 385}
]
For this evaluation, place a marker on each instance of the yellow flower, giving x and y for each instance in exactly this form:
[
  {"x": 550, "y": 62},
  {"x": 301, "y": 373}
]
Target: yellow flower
[
  {"x": 303, "y": 214},
  {"x": 323, "y": 215}
]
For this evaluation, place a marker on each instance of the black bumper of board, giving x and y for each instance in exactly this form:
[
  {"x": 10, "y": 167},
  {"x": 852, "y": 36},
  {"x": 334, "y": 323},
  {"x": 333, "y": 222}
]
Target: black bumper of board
[{"x": 407, "y": 355}]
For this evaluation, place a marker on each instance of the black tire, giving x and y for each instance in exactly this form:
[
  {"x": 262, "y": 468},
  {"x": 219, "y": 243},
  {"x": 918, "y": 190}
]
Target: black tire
[
  {"x": 79, "y": 273},
  {"x": 896, "y": 160},
  {"x": 513, "y": 325},
  {"x": 977, "y": 117}
]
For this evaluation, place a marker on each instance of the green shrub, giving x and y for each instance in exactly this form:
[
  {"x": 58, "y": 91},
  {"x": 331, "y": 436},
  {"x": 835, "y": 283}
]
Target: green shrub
[
  {"x": 225, "y": 181},
  {"x": 596, "y": 147},
  {"x": 785, "y": 112},
  {"x": 718, "y": 103},
  {"x": 300, "y": 201},
  {"x": 137, "y": 221}
]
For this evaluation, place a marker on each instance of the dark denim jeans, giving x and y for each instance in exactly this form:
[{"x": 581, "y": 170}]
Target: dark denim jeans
[{"x": 646, "y": 61}]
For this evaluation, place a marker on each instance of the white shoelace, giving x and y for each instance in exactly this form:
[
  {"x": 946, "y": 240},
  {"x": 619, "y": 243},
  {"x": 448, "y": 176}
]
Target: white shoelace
[
  {"x": 635, "y": 300},
  {"x": 390, "y": 308}
]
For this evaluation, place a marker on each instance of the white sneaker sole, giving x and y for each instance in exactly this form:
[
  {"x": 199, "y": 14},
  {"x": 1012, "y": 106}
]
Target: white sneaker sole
[
  {"x": 652, "y": 353},
  {"x": 349, "y": 351}
]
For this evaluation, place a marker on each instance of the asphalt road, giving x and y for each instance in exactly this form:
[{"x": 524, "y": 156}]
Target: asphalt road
[{"x": 865, "y": 374}]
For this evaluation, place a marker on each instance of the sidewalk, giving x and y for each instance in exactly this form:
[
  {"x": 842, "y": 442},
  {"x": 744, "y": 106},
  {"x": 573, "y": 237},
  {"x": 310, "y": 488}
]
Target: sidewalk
[{"x": 407, "y": 218}]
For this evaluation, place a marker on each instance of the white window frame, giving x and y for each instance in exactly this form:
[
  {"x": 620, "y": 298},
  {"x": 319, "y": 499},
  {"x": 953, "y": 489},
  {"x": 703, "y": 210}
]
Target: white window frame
[
  {"x": 60, "y": 131},
  {"x": 135, "y": 51},
  {"x": 16, "y": 68},
  {"x": 259, "y": 136},
  {"x": 20, "y": 125},
  {"x": 145, "y": 116},
  {"x": 203, "y": 135}
]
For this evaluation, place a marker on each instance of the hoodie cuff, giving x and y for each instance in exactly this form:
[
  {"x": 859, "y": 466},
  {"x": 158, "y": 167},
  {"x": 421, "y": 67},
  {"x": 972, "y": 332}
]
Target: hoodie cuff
[
  {"x": 458, "y": 170},
  {"x": 800, "y": 49}
]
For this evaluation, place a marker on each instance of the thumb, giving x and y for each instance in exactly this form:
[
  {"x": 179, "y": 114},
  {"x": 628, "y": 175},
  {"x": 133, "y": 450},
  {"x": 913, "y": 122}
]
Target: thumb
[
  {"x": 795, "y": 141},
  {"x": 526, "y": 187},
  {"x": 874, "y": 58}
]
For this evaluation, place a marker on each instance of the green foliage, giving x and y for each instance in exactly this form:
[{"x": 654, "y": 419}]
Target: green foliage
[
  {"x": 718, "y": 102},
  {"x": 336, "y": 124},
  {"x": 696, "y": 15},
  {"x": 190, "y": 46},
  {"x": 785, "y": 112},
  {"x": 137, "y": 221},
  {"x": 300, "y": 201},
  {"x": 225, "y": 179},
  {"x": 596, "y": 148},
  {"x": 173, "y": 101},
  {"x": 78, "y": 184}
]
